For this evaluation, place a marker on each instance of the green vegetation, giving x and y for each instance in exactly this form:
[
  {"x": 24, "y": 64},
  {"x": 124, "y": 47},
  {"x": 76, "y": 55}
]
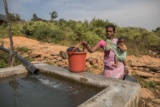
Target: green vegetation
[
  {"x": 70, "y": 33},
  {"x": 4, "y": 57},
  {"x": 22, "y": 49},
  {"x": 4, "y": 60},
  {"x": 146, "y": 84}
]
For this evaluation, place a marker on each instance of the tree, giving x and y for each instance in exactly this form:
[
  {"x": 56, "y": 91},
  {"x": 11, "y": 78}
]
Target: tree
[
  {"x": 158, "y": 31},
  {"x": 14, "y": 17},
  {"x": 12, "y": 56},
  {"x": 17, "y": 17},
  {"x": 54, "y": 15},
  {"x": 35, "y": 17}
]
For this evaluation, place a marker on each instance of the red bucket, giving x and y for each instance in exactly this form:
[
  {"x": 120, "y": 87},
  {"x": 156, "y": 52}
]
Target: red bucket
[{"x": 77, "y": 60}]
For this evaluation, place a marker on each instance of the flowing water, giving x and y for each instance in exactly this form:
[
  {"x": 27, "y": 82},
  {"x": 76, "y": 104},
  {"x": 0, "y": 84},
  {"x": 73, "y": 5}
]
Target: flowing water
[{"x": 43, "y": 91}]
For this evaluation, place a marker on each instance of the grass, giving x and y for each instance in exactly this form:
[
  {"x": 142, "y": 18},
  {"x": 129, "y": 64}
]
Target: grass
[
  {"x": 22, "y": 49},
  {"x": 146, "y": 84},
  {"x": 4, "y": 57}
]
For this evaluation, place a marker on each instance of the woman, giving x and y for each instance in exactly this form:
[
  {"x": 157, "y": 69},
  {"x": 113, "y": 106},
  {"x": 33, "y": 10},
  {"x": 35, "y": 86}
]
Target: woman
[{"x": 109, "y": 69}]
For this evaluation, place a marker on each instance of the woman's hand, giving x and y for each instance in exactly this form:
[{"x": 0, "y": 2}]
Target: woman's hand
[
  {"x": 84, "y": 43},
  {"x": 126, "y": 70},
  {"x": 90, "y": 49}
]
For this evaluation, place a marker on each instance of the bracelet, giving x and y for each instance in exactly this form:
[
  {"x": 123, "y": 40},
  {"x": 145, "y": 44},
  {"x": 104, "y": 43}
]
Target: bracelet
[{"x": 126, "y": 67}]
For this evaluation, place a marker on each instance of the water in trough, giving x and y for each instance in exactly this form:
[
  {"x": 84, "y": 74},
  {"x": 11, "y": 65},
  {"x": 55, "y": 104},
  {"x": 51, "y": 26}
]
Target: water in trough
[{"x": 43, "y": 91}]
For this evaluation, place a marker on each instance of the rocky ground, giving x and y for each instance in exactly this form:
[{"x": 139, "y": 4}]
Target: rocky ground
[{"x": 145, "y": 68}]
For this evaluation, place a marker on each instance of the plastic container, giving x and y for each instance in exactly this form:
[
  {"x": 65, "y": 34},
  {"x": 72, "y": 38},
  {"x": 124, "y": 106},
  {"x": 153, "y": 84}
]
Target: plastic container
[{"x": 77, "y": 60}]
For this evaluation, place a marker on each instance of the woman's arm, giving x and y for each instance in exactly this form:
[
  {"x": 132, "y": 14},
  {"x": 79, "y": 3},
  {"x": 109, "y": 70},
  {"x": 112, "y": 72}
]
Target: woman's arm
[{"x": 91, "y": 50}]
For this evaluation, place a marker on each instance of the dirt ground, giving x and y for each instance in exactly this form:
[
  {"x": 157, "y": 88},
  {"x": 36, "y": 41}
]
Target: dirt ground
[{"x": 54, "y": 48}]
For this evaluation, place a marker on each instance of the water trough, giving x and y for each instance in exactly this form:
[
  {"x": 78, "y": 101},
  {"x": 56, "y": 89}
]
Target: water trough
[{"x": 115, "y": 93}]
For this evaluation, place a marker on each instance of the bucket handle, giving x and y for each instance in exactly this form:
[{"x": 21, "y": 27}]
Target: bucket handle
[{"x": 77, "y": 46}]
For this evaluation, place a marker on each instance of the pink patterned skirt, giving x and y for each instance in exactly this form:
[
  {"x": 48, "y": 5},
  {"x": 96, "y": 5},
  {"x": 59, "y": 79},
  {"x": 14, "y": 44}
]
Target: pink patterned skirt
[{"x": 115, "y": 72}]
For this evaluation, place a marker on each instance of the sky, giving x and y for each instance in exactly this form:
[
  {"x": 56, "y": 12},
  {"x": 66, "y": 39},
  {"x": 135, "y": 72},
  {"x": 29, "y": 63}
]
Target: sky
[{"x": 124, "y": 13}]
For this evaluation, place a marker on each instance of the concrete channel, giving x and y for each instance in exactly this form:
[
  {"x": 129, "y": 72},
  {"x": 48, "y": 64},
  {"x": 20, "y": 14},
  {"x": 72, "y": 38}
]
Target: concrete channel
[{"x": 115, "y": 93}]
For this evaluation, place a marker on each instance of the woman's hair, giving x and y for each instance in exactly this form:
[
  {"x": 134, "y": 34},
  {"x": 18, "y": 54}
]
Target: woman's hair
[{"x": 111, "y": 26}]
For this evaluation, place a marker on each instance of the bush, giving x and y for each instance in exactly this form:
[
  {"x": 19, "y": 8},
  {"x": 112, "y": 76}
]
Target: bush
[
  {"x": 3, "y": 59},
  {"x": 48, "y": 35},
  {"x": 17, "y": 29},
  {"x": 92, "y": 38},
  {"x": 3, "y": 31},
  {"x": 139, "y": 40}
]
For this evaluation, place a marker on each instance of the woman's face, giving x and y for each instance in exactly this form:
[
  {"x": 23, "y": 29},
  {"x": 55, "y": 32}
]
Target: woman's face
[{"x": 109, "y": 33}]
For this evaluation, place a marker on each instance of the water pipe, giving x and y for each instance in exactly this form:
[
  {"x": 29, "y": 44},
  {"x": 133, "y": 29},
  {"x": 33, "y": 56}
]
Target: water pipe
[{"x": 30, "y": 67}]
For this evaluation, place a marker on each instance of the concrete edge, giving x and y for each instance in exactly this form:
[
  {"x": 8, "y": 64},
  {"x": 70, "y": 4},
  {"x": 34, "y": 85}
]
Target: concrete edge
[{"x": 11, "y": 71}]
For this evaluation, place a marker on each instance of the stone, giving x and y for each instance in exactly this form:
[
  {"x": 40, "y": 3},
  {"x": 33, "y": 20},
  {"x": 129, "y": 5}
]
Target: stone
[
  {"x": 97, "y": 71},
  {"x": 55, "y": 57},
  {"x": 154, "y": 79},
  {"x": 156, "y": 100},
  {"x": 63, "y": 54},
  {"x": 89, "y": 69},
  {"x": 150, "y": 105},
  {"x": 37, "y": 59},
  {"x": 42, "y": 58},
  {"x": 54, "y": 54},
  {"x": 158, "y": 55},
  {"x": 146, "y": 69},
  {"x": 144, "y": 74},
  {"x": 65, "y": 66},
  {"x": 46, "y": 55},
  {"x": 156, "y": 105},
  {"x": 138, "y": 64},
  {"x": 1, "y": 44},
  {"x": 59, "y": 58},
  {"x": 88, "y": 65},
  {"x": 92, "y": 61},
  {"x": 35, "y": 55},
  {"x": 153, "y": 68},
  {"x": 140, "y": 68},
  {"x": 134, "y": 68},
  {"x": 65, "y": 61},
  {"x": 158, "y": 86},
  {"x": 152, "y": 53},
  {"x": 145, "y": 93},
  {"x": 100, "y": 62},
  {"x": 156, "y": 75}
]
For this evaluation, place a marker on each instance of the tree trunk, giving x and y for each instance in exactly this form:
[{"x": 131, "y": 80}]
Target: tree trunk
[{"x": 11, "y": 56}]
